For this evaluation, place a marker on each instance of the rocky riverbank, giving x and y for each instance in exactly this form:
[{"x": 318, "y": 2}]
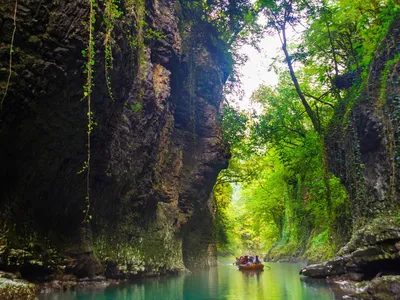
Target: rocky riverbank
[{"x": 13, "y": 287}]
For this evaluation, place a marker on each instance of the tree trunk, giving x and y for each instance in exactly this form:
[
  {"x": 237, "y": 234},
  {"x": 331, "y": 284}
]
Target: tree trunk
[{"x": 314, "y": 119}]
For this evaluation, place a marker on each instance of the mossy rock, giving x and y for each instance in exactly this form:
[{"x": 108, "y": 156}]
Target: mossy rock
[
  {"x": 383, "y": 288},
  {"x": 377, "y": 231},
  {"x": 16, "y": 289}
]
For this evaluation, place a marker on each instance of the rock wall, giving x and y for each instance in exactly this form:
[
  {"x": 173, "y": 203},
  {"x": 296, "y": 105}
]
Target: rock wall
[
  {"x": 364, "y": 151},
  {"x": 156, "y": 150},
  {"x": 364, "y": 148}
]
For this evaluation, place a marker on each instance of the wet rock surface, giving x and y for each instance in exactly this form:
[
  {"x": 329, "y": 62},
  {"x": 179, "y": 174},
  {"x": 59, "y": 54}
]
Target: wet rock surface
[
  {"x": 333, "y": 267},
  {"x": 70, "y": 284},
  {"x": 386, "y": 287},
  {"x": 13, "y": 288},
  {"x": 156, "y": 150}
]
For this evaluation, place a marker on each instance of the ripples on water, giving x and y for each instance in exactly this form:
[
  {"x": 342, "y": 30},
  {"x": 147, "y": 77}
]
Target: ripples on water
[{"x": 278, "y": 281}]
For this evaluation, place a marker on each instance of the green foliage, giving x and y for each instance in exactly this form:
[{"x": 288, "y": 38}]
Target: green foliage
[
  {"x": 152, "y": 34},
  {"x": 278, "y": 158},
  {"x": 283, "y": 122},
  {"x": 224, "y": 217},
  {"x": 263, "y": 199},
  {"x": 136, "y": 107},
  {"x": 344, "y": 35},
  {"x": 234, "y": 126},
  {"x": 283, "y": 206},
  {"x": 235, "y": 21},
  {"x": 111, "y": 14}
]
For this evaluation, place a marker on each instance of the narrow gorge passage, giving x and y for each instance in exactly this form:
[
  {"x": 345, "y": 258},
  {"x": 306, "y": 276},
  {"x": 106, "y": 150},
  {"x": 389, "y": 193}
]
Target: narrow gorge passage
[{"x": 145, "y": 138}]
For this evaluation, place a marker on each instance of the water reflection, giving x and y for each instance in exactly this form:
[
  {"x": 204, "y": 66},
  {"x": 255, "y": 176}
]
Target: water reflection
[{"x": 280, "y": 281}]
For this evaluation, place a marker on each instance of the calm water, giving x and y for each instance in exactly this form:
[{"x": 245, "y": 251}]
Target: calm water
[{"x": 281, "y": 281}]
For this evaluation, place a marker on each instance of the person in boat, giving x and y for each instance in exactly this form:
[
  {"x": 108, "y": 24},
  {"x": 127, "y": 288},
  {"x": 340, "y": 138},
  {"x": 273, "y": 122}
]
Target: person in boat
[
  {"x": 238, "y": 260},
  {"x": 242, "y": 260},
  {"x": 257, "y": 261}
]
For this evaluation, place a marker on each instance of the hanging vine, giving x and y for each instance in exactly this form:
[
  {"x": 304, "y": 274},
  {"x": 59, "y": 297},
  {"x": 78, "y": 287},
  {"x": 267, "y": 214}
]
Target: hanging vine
[
  {"x": 87, "y": 92},
  {"x": 139, "y": 11},
  {"x": 11, "y": 53},
  {"x": 139, "y": 14},
  {"x": 191, "y": 83},
  {"x": 111, "y": 14}
]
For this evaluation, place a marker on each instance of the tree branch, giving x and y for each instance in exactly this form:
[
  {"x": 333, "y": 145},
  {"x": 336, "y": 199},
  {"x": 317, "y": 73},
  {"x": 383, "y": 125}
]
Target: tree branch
[{"x": 319, "y": 98}]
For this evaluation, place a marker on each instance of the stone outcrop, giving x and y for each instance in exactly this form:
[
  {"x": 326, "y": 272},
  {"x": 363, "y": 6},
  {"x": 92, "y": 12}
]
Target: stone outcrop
[
  {"x": 364, "y": 152},
  {"x": 12, "y": 287},
  {"x": 155, "y": 152},
  {"x": 373, "y": 250},
  {"x": 387, "y": 287}
]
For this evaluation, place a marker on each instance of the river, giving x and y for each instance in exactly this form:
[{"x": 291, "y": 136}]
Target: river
[{"x": 279, "y": 281}]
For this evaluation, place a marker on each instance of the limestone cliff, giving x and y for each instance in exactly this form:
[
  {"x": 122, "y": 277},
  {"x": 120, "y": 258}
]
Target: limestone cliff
[
  {"x": 364, "y": 152},
  {"x": 156, "y": 149}
]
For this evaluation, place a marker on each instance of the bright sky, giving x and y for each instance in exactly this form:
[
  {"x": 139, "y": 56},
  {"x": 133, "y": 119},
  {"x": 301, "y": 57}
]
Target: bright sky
[
  {"x": 253, "y": 73},
  {"x": 255, "y": 70}
]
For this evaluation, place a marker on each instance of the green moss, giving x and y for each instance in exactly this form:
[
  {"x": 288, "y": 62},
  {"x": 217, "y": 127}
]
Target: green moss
[
  {"x": 34, "y": 39},
  {"x": 383, "y": 288},
  {"x": 389, "y": 66},
  {"x": 150, "y": 250},
  {"x": 320, "y": 247}
]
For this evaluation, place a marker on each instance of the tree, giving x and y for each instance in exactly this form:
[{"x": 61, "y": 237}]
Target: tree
[
  {"x": 234, "y": 19},
  {"x": 281, "y": 14}
]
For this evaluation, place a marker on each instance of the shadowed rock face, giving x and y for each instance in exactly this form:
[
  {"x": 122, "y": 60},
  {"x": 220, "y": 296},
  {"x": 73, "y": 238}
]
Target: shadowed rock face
[
  {"x": 156, "y": 150},
  {"x": 364, "y": 152}
]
